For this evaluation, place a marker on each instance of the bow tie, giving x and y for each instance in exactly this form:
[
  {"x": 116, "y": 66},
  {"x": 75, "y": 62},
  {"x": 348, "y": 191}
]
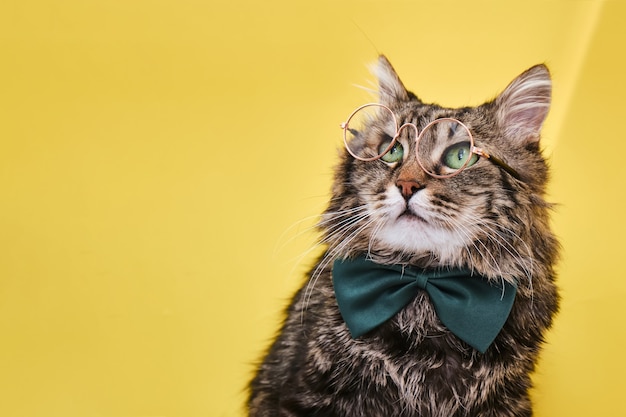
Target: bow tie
[{"x": 470, "y": 306}]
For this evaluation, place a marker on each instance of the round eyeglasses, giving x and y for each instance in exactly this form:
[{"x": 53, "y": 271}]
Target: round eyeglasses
[{"x": 444, "y": 147}]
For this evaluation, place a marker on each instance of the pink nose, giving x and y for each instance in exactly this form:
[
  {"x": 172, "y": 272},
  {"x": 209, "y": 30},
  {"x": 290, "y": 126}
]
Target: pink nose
[{"x": 408, "y": 187}]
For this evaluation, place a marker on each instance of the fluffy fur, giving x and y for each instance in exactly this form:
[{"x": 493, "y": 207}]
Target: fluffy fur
[{"x": 482, "y": 219}]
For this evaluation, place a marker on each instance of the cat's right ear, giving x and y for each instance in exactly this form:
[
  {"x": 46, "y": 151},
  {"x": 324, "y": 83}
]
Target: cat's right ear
[
  {"x": 390, "y": 88},
  {"x": 524, "y": 104}
]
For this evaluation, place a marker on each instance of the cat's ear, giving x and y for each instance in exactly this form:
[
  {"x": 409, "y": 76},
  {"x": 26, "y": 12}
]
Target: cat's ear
[
  {"x": 390, "y": 88},
  {"x": 523, "y": 105}
]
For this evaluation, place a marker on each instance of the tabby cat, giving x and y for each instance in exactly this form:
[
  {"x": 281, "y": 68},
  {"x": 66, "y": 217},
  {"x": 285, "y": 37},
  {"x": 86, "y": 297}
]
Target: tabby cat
[{"x": 424, "y": 188}]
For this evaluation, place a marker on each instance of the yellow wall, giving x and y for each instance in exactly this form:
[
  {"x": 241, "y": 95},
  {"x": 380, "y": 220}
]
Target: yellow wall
[{"x": 156, "y": 158}]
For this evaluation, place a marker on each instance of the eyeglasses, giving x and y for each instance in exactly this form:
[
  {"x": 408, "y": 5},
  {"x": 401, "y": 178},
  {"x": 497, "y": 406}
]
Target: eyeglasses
[{"x": 444, "y": 147}]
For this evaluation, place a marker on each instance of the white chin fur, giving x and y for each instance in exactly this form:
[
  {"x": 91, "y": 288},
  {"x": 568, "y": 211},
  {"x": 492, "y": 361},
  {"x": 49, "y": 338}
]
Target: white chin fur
[{"x": 413, "y": 235}]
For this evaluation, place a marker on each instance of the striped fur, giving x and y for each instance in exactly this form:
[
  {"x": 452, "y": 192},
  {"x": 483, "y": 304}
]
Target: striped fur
[{"x": 482, "y": 219}]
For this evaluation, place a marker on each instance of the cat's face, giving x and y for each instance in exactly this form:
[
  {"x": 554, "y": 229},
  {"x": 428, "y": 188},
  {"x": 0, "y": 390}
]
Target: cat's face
[{"x": 393, "y": 209}]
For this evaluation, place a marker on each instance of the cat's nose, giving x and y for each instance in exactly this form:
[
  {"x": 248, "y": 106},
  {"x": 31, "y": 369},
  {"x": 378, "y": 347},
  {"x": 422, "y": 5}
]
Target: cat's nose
[{"x": 408, "y": 187}]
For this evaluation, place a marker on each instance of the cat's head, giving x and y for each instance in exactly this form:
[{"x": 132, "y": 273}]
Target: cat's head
[{"x": 486, "y": 217}]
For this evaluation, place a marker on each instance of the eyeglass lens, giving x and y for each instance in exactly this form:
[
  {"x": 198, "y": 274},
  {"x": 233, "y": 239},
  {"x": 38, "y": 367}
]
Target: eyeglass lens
[
  {"x": 444, "y": 148},
  {"x": 369, "y": 132}
]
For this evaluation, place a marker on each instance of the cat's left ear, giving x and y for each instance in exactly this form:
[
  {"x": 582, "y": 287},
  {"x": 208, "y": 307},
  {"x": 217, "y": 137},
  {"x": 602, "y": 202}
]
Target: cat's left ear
[
  {"x": 523, "y": 105},
  {"x": 390, "y": 88}
]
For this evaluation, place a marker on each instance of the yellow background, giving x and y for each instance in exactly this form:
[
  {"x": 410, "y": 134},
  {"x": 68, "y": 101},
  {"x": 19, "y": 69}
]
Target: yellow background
[{"x": 157, "y": 158}]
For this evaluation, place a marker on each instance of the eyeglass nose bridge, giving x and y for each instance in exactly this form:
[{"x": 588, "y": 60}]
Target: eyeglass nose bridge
[{"x": 413, "y": 142}]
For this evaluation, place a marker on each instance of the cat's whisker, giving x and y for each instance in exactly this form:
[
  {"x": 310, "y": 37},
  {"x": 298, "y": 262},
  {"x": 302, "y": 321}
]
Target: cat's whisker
[
  {"x": 465, "y": 234},
  {"x": 331, "y": 217},
  {"x": 526, "y": 262},
  {"x": 374, "y": 235},
  {"x": 501, "y": 237},
  {"x": 337, "y": 233},
  {"x": 344, "y": 234},
  {"x": 344, "y": 213},
  {"x": 339, "y": 248},
  {"x": 485, "y": 252},
  {"x": 350, "y": 219},
  {"x": 373, "y": 89},
  {"x": 313, "y": 225},
  {"x": 513, "y": 251},
  {"x": 282, "y": 243},
  {"x": 498, "y": 237}
]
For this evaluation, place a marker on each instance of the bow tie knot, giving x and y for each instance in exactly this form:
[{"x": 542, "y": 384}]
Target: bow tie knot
[
  {"x": 469, "y": 305},
  {"x": 421, "y": 280}
]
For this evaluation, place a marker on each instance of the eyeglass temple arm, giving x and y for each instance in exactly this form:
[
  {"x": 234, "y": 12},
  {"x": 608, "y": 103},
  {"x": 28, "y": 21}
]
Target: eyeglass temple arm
[{"x": 497, "y": 161}]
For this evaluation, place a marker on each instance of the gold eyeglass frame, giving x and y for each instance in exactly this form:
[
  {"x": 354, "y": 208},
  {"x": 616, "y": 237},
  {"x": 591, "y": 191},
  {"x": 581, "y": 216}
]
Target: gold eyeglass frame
[{"x": 398, "y": 130}]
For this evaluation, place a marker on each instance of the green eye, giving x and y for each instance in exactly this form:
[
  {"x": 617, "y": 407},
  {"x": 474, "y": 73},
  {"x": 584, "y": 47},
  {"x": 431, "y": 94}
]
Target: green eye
[
  {"x": 455, "y": 156},
  {"x": 394, "y": 154}
]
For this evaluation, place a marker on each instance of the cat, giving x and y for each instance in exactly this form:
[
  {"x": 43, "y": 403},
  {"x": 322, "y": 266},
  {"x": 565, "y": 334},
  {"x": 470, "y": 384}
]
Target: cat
[{"x": 487, "y": 217}]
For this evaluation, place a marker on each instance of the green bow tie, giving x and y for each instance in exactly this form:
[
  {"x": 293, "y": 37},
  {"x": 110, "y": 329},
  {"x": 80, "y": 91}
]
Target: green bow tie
[{"x": 470, "y": 306}]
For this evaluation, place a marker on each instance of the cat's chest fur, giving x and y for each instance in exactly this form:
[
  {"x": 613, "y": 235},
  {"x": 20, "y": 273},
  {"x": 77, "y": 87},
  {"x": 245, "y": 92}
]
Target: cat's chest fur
[{"x": 409, "y": 366}]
